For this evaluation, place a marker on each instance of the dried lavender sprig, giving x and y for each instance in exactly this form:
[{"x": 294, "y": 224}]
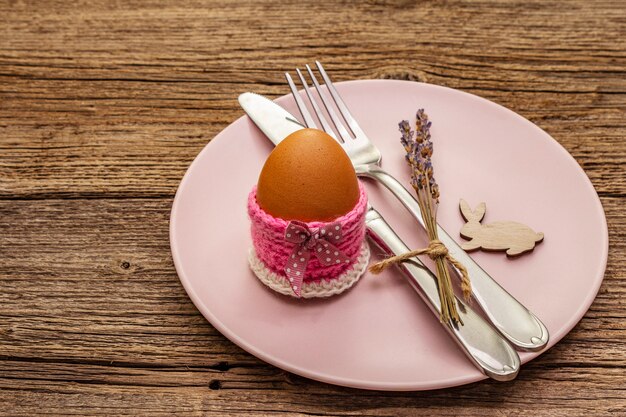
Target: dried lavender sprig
[
  {"x": 410, "y": 147},
  {"x": 407, "y": 136},
  {"x": 422, "y": 126},
  {"x": 419, "y": 150}
]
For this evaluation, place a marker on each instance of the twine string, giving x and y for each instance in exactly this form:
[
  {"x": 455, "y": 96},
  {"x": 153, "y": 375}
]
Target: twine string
[{"x": 435, "y": 250}]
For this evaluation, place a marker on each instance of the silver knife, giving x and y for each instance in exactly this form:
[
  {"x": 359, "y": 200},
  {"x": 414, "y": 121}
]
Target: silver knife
[{"x": 487, "y": 350}]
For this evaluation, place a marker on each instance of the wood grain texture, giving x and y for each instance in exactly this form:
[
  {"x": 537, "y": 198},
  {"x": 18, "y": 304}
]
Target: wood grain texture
[{"x": 103, "y": 105}]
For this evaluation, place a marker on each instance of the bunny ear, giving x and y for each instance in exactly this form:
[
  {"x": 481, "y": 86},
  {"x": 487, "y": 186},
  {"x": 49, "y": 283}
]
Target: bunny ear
[
  {"x": 479, "y": 213},
  {"x": 466, "y": 211}
]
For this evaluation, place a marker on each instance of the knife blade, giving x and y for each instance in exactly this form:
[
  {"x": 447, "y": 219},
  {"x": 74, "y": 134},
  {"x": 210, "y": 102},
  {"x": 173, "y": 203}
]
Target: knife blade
[
  {"x": 486, "y": 349},
  {"x": 274, "y": 121}
]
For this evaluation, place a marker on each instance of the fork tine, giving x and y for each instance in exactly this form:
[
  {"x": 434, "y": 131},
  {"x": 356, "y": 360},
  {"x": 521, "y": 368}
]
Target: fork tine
[
  {"x": 345, "y": 136},
  {"x": 343, "y": 109},
  {"x": 308, "y": 119},
  {"x": 318, "y": 112}
]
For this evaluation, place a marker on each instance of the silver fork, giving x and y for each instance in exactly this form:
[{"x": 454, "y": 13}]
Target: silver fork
[{"x": 514, "y": 321}]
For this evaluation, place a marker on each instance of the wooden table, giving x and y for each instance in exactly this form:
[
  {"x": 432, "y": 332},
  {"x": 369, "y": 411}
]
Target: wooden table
[{"x": 103, "y": 107}]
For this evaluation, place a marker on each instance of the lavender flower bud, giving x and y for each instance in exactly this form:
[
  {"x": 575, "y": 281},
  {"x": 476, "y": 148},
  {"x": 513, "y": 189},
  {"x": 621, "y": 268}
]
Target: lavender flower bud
[
  {"x": 426, "y": 150},
  {"x": 407, "y": 134},
  {"x": 428, "y": 169}
]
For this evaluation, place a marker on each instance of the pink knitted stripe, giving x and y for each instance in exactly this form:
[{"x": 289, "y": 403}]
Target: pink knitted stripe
[{"x": 268, "y": 238}]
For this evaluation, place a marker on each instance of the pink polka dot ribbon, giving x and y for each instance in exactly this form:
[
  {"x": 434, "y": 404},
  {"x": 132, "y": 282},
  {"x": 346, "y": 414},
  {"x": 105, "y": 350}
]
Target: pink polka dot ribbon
[{"x": 319, "y": 241}]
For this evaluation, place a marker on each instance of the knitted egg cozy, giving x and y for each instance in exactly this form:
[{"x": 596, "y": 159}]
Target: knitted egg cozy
[{"x": 274, "y": 255}]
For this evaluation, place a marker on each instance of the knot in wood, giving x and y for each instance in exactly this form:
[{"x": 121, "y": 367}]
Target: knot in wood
[{"x": 400, "y": 73}]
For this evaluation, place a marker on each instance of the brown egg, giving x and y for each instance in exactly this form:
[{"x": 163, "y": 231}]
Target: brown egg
[{"x": 308, "y": 177}]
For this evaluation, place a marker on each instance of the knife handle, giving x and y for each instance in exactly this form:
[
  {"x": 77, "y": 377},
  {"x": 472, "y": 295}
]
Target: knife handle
[
  {"x": 514, "y": 321},
  {"x": 487, "y": 350}
]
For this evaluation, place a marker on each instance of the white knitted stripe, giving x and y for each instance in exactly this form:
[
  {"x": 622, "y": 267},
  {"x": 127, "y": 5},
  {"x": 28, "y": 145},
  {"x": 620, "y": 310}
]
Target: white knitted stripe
[{"x": 323, "y": 288}]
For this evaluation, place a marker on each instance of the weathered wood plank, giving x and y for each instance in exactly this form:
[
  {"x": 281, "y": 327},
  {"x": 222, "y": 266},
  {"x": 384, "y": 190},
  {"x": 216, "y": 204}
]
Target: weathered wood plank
[
  {"x": 143, "y": 348},
  {"x": 267, "y": 391},
  {"x": 118, "y": 148},
  {"x": 113, "y": 112}
]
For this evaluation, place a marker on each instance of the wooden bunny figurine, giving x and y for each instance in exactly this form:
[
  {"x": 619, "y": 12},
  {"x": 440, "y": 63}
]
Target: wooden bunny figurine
[{"x": 515, "y": 238}]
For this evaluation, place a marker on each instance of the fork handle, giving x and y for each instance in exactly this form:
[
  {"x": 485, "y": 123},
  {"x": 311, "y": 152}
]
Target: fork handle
[{"x": 514, "y": 321}]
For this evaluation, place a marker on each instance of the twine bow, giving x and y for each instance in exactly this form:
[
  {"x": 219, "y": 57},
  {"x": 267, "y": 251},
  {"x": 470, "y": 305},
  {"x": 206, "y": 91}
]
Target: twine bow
[
  {"x": 318, "y": 241},
  {"x": 436, "y": 250}
]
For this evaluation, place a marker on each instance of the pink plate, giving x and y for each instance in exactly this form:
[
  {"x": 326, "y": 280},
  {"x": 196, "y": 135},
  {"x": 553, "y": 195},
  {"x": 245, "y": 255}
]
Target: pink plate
[{"x": 379, "y": 334}]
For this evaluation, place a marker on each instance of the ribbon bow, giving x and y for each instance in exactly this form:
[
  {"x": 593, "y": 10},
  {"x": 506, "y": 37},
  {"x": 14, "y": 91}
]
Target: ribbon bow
[{"x": 319, "y": 241}]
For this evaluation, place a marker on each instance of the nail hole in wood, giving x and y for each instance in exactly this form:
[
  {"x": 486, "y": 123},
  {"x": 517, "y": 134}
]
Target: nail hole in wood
[
  {"x": 125, "y": 265},
  {"x": 215, "y": 384},
  {"x": 222, "y": 366}
]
